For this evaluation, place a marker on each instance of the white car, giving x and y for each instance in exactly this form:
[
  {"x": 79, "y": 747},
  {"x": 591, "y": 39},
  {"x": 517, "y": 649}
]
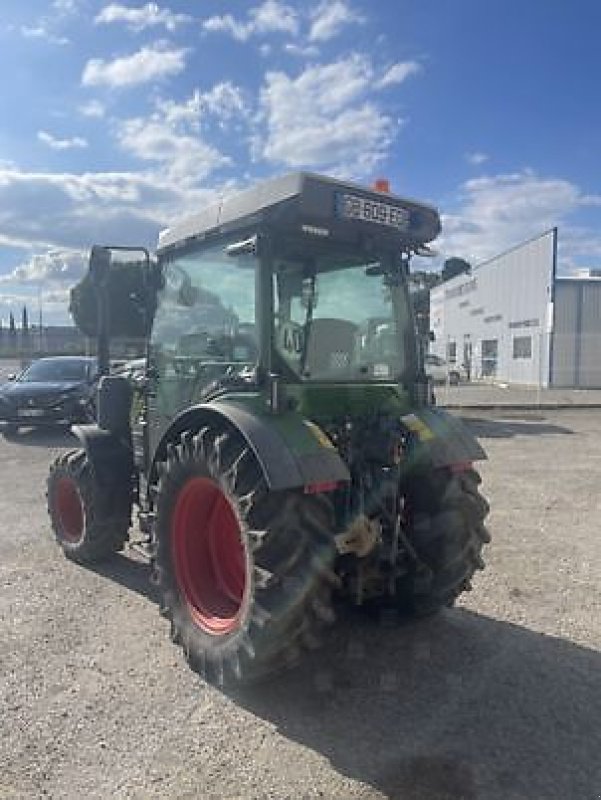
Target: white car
[{"x": 440, "y": 371}]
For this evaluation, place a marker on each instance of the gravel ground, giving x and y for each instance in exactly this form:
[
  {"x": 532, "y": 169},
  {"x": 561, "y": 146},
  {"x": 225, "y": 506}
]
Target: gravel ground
[{"x": 498, "y": 698}]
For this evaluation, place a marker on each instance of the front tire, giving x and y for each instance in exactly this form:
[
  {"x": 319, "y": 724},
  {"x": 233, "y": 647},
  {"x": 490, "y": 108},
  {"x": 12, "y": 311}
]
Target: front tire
[
  {"x": 82, "y": 526},
  {"x": 244, "y": 573}
]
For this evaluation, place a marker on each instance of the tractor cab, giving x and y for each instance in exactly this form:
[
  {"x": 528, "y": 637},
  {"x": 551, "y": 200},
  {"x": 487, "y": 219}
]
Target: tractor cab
[{"x": 302, "y": 282}]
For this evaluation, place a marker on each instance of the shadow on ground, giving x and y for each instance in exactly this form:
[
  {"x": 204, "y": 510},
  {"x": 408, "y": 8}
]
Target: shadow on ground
[
  {"x": 128, "y": 571},
  {"x": 461, "y": 707},
  {"x": 505, "y": 428},
  {"x": 42, "y": 437},
  {"x": 457, "y": 707}
]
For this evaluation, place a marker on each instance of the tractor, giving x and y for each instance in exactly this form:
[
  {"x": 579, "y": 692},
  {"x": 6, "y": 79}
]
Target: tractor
[{"x": 280, "y": 446}]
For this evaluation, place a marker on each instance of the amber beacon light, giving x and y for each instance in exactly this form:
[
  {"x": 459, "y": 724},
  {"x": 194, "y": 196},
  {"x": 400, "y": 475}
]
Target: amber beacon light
[{"x": 382, "y": 185}]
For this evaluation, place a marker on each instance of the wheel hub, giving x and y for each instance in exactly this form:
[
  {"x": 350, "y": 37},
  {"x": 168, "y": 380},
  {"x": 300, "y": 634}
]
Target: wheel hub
[
  {"x": 69, "y": 509},
  {"x": 208, "y": 556}
]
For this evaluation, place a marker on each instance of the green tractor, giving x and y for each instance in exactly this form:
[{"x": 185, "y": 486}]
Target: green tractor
[{"x": 281, "y": 448}]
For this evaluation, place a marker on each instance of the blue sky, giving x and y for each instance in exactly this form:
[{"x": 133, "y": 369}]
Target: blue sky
[{"x": 120, "y": 117}]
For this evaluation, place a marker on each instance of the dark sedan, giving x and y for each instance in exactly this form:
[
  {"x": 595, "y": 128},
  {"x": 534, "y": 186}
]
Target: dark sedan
[{"x": 51, "y": 391}]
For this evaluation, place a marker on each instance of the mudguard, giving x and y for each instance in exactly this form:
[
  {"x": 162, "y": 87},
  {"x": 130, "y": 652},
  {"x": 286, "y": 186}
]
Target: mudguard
[
  {"x": 439, "y": 439},
  {"x": 111, "y": 460},
  {"x": 293, "y": 452}
]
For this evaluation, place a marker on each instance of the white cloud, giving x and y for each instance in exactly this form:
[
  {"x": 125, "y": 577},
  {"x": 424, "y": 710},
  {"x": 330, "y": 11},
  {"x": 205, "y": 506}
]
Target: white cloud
[
  {"x": 171, "y": 135},
  {"x": 398, "y": 73},
  {"x": 224, "y": 101},
  {"x": 498, "y": 212},
  {"x": 476, "y": 158},
  {"x": 303, "y": 51},
  {"x": 186, "y": 159},
  {"x": 39, "y": 210},
  {"x": 329, "y": 18},
  {"x": 93, "y": 108},
  {"x": 75, "y": 142},
  {"x": 65, "y": 7},
  {"x": 138, "y": 19},
  {"x": 41, "y": 31},
  {"x": 270, "y": 17},
  {"x": 56, "y": 266},
  {"x": 148, "y": 64},
  {"x": 323, "y": 119}
]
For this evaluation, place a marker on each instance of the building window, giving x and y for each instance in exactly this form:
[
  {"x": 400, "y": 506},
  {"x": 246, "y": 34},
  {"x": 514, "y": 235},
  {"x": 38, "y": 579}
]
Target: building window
[
  {"x": 522, "y": 346},
  {"x": 452, "y": 352},
  {"x": 490, "y": 355}
]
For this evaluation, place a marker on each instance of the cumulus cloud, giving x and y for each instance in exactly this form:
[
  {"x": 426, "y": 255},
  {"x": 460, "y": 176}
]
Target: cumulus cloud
[
  {"x": 398, "y": 73},
  {"x": 73, "y": 143},
  {"x": 329, "y": 18},
  {"x": 171, "y": 136},
  {"x": 497, "y": 212},
  {"x": 223, "y": 101},
  {"x": 270, "y": 17},
  {"x": 323, "y": 119},
  {"x": 186, "y": 159},
  {"x": 148, "y": 64},
  {"x": 138, "y": 19},
  {"x": 55, "y": 266}
]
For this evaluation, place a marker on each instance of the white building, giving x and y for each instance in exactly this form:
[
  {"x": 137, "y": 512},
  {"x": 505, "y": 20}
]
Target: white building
[{"x": 513, "y": 320}]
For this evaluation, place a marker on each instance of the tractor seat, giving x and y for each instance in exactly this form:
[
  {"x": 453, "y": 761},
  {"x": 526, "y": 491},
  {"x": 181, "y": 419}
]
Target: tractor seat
[{"x": 331, "y": 349}]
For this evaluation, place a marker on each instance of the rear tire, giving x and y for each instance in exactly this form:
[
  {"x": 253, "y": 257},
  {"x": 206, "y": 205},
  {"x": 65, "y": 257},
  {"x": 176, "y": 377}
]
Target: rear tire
[
  {"x": 445, "y": 528},
  {"x": 85, "y": 532},
  {"x": 244, "y": 574}
]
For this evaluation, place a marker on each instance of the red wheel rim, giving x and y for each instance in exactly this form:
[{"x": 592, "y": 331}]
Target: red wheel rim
[
  {"x": 69, "y": 509},
  {"x": 208, "y": 556}
]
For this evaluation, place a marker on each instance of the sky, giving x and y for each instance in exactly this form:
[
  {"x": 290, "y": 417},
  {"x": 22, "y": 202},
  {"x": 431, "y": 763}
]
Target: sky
[{"x": 120, "y": 118}]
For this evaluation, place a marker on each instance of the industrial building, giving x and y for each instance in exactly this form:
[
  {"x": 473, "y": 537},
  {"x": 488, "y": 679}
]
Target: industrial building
[{"x": 513, "y": 320}]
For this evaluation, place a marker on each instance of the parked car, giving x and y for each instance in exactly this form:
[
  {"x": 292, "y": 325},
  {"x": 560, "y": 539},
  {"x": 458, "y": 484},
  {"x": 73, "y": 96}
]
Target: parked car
[
  {"x": 440, "y": 371},
  {"x": 51, "y": 391}
]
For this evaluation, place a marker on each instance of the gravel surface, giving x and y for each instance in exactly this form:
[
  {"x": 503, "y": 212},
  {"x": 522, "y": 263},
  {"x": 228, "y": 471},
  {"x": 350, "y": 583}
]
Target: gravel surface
[{"x": 497, "y": 698}]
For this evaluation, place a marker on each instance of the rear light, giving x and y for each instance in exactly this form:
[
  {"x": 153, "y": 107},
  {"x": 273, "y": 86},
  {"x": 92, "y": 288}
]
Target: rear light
[{"x": 319, "y": 488}]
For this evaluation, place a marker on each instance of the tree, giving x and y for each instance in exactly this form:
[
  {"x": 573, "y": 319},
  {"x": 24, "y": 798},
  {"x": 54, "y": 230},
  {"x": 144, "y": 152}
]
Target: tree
[
  {"x": 455, "y": 266},
  {"x": 12, "y": 332}
]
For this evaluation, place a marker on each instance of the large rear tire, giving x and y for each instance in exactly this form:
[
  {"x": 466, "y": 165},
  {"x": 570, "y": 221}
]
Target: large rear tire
[
  {"x": 82, "y": 526},
  {"x": 244, "y": 574},
  {"x": 445, "y": 515}
]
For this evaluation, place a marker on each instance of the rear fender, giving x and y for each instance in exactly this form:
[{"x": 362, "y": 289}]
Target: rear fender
[
  {"x": 111, "y": 461},
  {"x": 438, "y": 439},
  {"x": 293, "y": 453}
]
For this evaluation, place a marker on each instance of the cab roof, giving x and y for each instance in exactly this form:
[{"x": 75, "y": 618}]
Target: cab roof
[{"x": 316, "y": 203}]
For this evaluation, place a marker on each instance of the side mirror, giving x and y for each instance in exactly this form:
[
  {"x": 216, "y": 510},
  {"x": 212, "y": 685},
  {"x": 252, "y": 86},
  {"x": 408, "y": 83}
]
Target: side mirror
[
  {"x": 11, "y": 377},
  {"x": 100, "y": 263}
]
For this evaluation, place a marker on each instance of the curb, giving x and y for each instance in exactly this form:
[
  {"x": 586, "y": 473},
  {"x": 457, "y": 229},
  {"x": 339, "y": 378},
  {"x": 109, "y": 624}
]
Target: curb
[{"x": 521, "y": 406}]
